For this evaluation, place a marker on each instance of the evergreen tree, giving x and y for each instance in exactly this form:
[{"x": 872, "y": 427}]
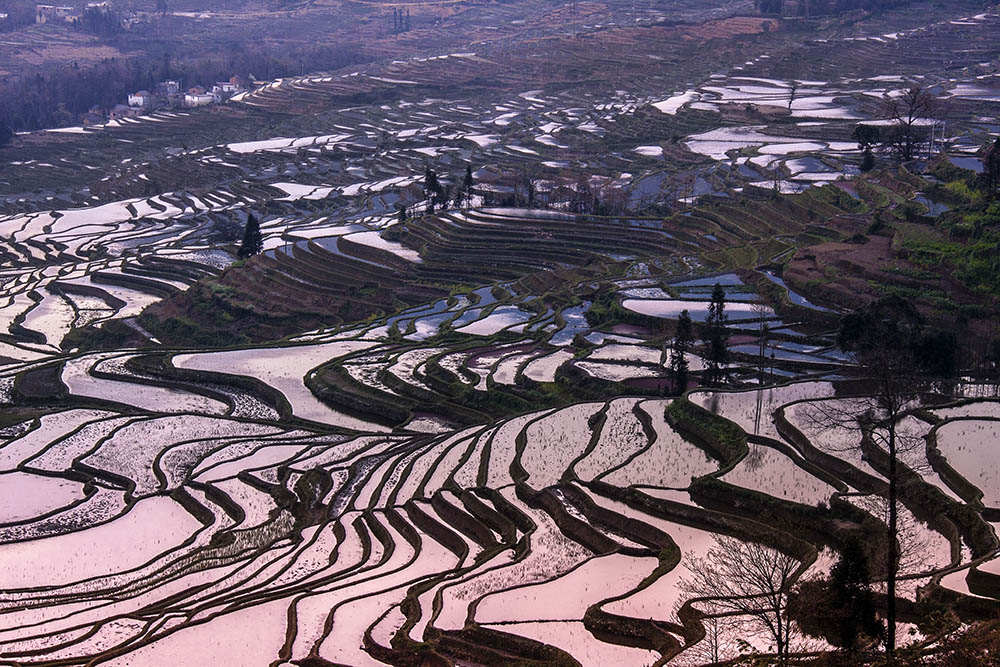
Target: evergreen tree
[
  {"x": 888, "y": 342},
  {"x": 867, "y": 137},
  {"x": 467, "y": 184},
  {"x": 852, "y": 598},
  {"x": 683, "y": 337},
  {"x": 716, "y": 335},
  {"x": 991, "y": 168},
  {"x": 253, "y": 242},
  {"x": 432, "y": 189}
]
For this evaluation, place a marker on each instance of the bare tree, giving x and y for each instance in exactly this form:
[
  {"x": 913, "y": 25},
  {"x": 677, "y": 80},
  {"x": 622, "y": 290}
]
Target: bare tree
[
  {"x": 889, "y": 344},
  {"x": 748, "y": 582},
  {"x": 914, "y": 547},
  {"x": 793, "y": 88},
  {"x": 722, "y": 640},
  {"x": 910, "y": 113}
]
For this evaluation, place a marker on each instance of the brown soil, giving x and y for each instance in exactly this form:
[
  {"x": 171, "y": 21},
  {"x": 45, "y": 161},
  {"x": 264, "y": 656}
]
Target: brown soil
[
  {"x": 850, "y": 274},
  {"x": 854, "y": 274}
]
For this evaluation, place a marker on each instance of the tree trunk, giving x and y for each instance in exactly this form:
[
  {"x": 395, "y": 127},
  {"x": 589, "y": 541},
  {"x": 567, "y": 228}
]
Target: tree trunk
[{"x": 890, "y": 642}]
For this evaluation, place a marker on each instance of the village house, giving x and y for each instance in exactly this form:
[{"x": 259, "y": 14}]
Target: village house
[
  {"x": 143, "y": 99},
  {"x": 224, "y": 89},
  {"x": 122, "y": 111},
  {"x": 49, "y": 13},
  {"x": 168, "y": 87},
  {"x": 94, "y": 116},
  {"x": 197, "y": 97}
]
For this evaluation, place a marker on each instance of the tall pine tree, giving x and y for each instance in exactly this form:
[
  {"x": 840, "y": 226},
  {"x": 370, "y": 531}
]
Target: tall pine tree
[
  {"x": 467, "y": 185},
  {"x": 683, "y": 337},
  {"x": 716, "y": 336},
  {"x": 432, "y": 189}
]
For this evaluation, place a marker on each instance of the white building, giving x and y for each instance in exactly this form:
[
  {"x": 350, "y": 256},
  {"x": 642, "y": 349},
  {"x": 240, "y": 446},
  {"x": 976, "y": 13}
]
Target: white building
[
  {"x": 141, "y": 99},
  {"x": 198, "y": 99},
  {"x": 46, "y": 13}
]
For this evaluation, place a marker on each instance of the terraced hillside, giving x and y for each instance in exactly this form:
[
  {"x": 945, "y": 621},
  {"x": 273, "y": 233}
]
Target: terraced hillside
[
  {"x": 251, "y": 503},
  {"x": 450, "y": 433},
  {"x": 412, "y": 487}
]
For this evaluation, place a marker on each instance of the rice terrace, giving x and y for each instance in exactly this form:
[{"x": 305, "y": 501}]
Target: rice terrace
[{"x": 521, "y": 333}]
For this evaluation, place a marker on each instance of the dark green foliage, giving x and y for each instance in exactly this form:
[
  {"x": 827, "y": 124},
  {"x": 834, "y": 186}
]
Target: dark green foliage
[
  {"x": 433, "y": 190},
  {"x": 725, "y": 441},
  {"x": 991, "y": 169},
  {"x": 867, "y": 160},
  {"x": 716, "y": 336},
  {"x": 467, "y": 184},
  {"x": 252, "y": 242},
  {"x": 867, "y": 137},
  {"x": 683, "y": 337},
  {"x": 100, "y": 21},
  {"x": 853, "y": 605},
  {"x": 60, "y": 96},
  {"x": 841, "y": 609},
  {"x": 891, "y": 330}
]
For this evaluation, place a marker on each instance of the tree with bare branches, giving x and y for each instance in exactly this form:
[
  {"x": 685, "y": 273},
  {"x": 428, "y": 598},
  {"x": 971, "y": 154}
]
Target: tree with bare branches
[
  {"x": 898, "y": 357},
  {"x": 749, "y": 583},
  {"x": 910, "y": 113}
]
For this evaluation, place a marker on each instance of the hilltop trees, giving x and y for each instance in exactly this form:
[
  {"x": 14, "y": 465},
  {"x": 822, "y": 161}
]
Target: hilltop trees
[{"x": 253, "y": 242}]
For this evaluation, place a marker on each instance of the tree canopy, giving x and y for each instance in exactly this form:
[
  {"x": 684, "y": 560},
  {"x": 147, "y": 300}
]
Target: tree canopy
[{"x": 253, "y": 242}]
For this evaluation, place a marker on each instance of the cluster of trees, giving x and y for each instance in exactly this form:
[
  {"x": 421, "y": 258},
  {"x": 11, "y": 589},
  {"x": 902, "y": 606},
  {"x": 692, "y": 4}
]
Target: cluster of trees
[
  {"x": 683, "y": 339},
  {"x": 20, "y": 13},
  {"x": 715, "y": 337},
  {"x": 909, "y": 131},
  {"x": 104, "y": 22},
  {"x": 752, "y": 585},
  {"x": 438, "y": 194},
  {"x": 587, "y": 196},
  {"x": 61, "y": 95},
  {"x": 400, "y": 21}
]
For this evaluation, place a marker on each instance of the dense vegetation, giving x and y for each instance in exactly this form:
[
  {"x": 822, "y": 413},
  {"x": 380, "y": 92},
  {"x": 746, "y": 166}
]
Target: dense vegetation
[{"x": 62, "y": 95}]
